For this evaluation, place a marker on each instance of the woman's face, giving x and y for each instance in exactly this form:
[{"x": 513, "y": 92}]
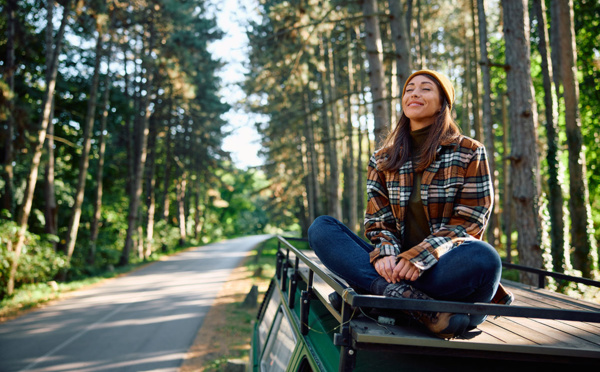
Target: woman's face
[{"x": 421, "y": 101}]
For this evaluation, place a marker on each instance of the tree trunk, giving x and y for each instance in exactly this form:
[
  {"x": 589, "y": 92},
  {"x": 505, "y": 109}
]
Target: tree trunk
[
  {"x": 488, "y": 124},
  {"x": 466, "y": 86},
  {"x": 363, "y": 137},
  {"x": 200, "y": 203},
  {"x": 507, "y": 210},
  {"x": 475, "y": 82},
  {"x": 309, "y": 148},
  {"x": 307, "y": 202},
  {"x": 129, "y": 118},
  {"x": 333, "y": 197},
  {"x": 349, "y": 176},
  {"x": 140, "y": 161},
  {"x": 326, "y": 141},
  {"x": 167, "y": 177},
  {"x": 197, "y": 211},
  {"x": 523, "y": 119},
  {"x": 419, "y": 36},
  {"x": 25, "y": 209},
  {"x": 140, "y": 241},
  {"x": 394, "y": 102},
  {"x": 6, "y": 199},
  {"x": 94, "y": 228},
  {"x": 51, "y": 209},
  {"x": 150, "y": 189},
  {"x": 555, "y": 202},
  {"x": 87, "y": 144},
  {"x": 400, "y": 36},
  {"x": 555, "y": 46},
  {"x": 584, "y": 245},
  {"x": 181, "y": 186},
  {"x": 409, "y": 19},
  {"x": 373, "y": 46},
  {"x": 313, "y": 155},
  {"x": 360, "y": 180},
  {"x": 332, "y": 179}
]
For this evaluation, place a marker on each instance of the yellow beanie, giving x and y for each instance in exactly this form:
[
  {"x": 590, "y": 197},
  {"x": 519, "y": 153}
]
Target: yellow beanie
[{"x": 445, "y": 83}]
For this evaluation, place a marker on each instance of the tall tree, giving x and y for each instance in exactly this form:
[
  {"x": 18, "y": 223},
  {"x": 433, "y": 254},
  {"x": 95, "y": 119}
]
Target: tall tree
[
  {"x": 150, "y": 184},
  {"x": 182, "y": 218},
  {"x": 6, "y": 199},
  {"x": 166, "y": 201},
  {"x": 333, "y": 194},
  {"x": 523, "y": 119},
  {"x": 419, "y": 36},
  {"x": 555, "y": 196},
  {"x": 507, "y": 205},
  {"x": 584, "y": 245},
  {"x": 488, "y": 124},
  {"x": 466, "y": 86},
  {"x": 51, "y": 209},
  {"x": 141, "y": 140},
  {"x": 587, "y": 28},
  {"x": 88, "y": 127},
  {"x": 400, "y": 36},
  {"x": 95, "y": 224},
  {"x": 349, "y": 172},
  {"x": 374, "y": 47},
  {"x": 555, "y": 54},
  {"x": 25, "y": 209},
  {"x": 475, "y": 78},
  {"x": 312, "y": 190}
]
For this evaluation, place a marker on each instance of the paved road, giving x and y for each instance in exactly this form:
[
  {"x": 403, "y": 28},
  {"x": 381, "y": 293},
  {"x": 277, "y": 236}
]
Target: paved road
[{"x": 140, "y": 322}]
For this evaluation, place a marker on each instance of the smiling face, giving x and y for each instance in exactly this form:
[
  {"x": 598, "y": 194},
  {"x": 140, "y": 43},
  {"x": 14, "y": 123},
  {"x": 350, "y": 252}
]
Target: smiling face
[{"x": 421, "y": 101}]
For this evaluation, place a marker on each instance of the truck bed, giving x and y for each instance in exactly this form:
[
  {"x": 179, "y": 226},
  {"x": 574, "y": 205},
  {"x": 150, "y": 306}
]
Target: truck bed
[
  {"x": 502, "y": 337},
  {"x": 299, "y": 329}
]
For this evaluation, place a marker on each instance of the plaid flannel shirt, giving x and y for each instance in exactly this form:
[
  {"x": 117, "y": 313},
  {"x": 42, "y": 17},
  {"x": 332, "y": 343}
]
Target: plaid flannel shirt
[{"x": 457, "y": 195}]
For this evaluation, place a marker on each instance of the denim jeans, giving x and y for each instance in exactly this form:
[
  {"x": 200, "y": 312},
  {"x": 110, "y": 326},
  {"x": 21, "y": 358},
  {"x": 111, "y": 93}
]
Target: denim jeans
[{"x": 468, "y": 273}]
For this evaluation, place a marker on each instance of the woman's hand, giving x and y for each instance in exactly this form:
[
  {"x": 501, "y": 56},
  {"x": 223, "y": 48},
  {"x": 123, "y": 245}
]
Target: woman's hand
[
  {"x": 405, "y": 270},
  {"x": 385, "y": 267}
]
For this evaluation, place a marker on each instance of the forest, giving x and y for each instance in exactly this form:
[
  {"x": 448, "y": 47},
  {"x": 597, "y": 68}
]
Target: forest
[{"x": 111, "y": 123}]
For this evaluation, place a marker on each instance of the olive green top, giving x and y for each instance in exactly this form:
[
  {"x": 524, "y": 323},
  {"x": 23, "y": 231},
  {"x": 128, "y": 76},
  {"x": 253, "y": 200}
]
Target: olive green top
[{"x": 417, "y": 226}]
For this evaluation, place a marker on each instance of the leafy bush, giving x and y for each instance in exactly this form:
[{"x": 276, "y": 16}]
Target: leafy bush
[{"x": 38, "y": 261}]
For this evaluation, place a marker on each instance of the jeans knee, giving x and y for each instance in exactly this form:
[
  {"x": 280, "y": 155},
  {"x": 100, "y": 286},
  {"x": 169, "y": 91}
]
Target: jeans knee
[
  {"x": 488, "y": 258},
  {"x": 318, "y": 228}
]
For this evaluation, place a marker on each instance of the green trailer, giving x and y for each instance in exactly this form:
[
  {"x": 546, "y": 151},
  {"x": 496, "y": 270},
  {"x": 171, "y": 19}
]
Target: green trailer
[{"x": 300, "y": 327}]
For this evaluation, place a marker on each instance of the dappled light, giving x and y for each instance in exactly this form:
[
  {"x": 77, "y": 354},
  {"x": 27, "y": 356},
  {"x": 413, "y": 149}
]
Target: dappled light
[{"x": 147, "y": 146}]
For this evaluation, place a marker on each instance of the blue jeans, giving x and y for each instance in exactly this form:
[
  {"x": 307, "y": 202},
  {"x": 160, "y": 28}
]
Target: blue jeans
[{"x": 468, "y": 273}]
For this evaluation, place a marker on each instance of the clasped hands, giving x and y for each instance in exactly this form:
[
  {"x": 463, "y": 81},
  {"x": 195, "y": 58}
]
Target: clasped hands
[{"x": 394, "y": 272}]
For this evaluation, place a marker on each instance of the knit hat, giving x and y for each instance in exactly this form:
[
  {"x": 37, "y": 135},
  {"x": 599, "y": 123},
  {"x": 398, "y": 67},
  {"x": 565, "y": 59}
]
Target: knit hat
[{"x": 445, "y": 83}]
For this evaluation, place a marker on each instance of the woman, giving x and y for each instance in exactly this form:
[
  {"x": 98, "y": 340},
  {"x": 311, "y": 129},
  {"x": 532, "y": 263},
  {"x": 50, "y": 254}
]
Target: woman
[{"x": 429, "y": 199}]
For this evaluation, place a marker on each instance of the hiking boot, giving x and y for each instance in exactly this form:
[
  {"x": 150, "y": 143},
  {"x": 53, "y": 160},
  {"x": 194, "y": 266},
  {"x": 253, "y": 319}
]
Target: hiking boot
[
  {"x": 503, "y": 296},
  {"x": 443, "y": 325}
]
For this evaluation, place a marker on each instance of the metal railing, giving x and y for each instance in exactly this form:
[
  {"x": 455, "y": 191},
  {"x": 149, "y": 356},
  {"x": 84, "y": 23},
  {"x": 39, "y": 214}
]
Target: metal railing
[
  {"x": 543, "y": 274},
  {"x": 360, "y": 300}
]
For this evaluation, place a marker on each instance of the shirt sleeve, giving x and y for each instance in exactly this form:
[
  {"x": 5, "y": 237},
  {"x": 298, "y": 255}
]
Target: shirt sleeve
[
  {"x": 470, "y": 214},
  {"x": 380, "y": 224}
]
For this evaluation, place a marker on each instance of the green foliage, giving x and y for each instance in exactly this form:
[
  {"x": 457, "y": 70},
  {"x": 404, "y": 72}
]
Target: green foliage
[
  {"x": 185, "y": 103},
  {"x": 38, "y": 262},
  {"x": 587, "y": 28}
]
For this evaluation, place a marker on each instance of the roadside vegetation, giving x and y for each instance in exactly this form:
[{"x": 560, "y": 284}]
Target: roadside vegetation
[{"x": 32, "y": 295}]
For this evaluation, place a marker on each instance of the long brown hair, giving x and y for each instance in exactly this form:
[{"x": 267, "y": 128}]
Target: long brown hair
[{"x": 397, "y": 147}]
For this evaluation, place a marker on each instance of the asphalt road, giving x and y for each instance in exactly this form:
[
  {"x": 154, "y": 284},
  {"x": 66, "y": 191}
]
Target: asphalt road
[{"x": 145, "y": 321}]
